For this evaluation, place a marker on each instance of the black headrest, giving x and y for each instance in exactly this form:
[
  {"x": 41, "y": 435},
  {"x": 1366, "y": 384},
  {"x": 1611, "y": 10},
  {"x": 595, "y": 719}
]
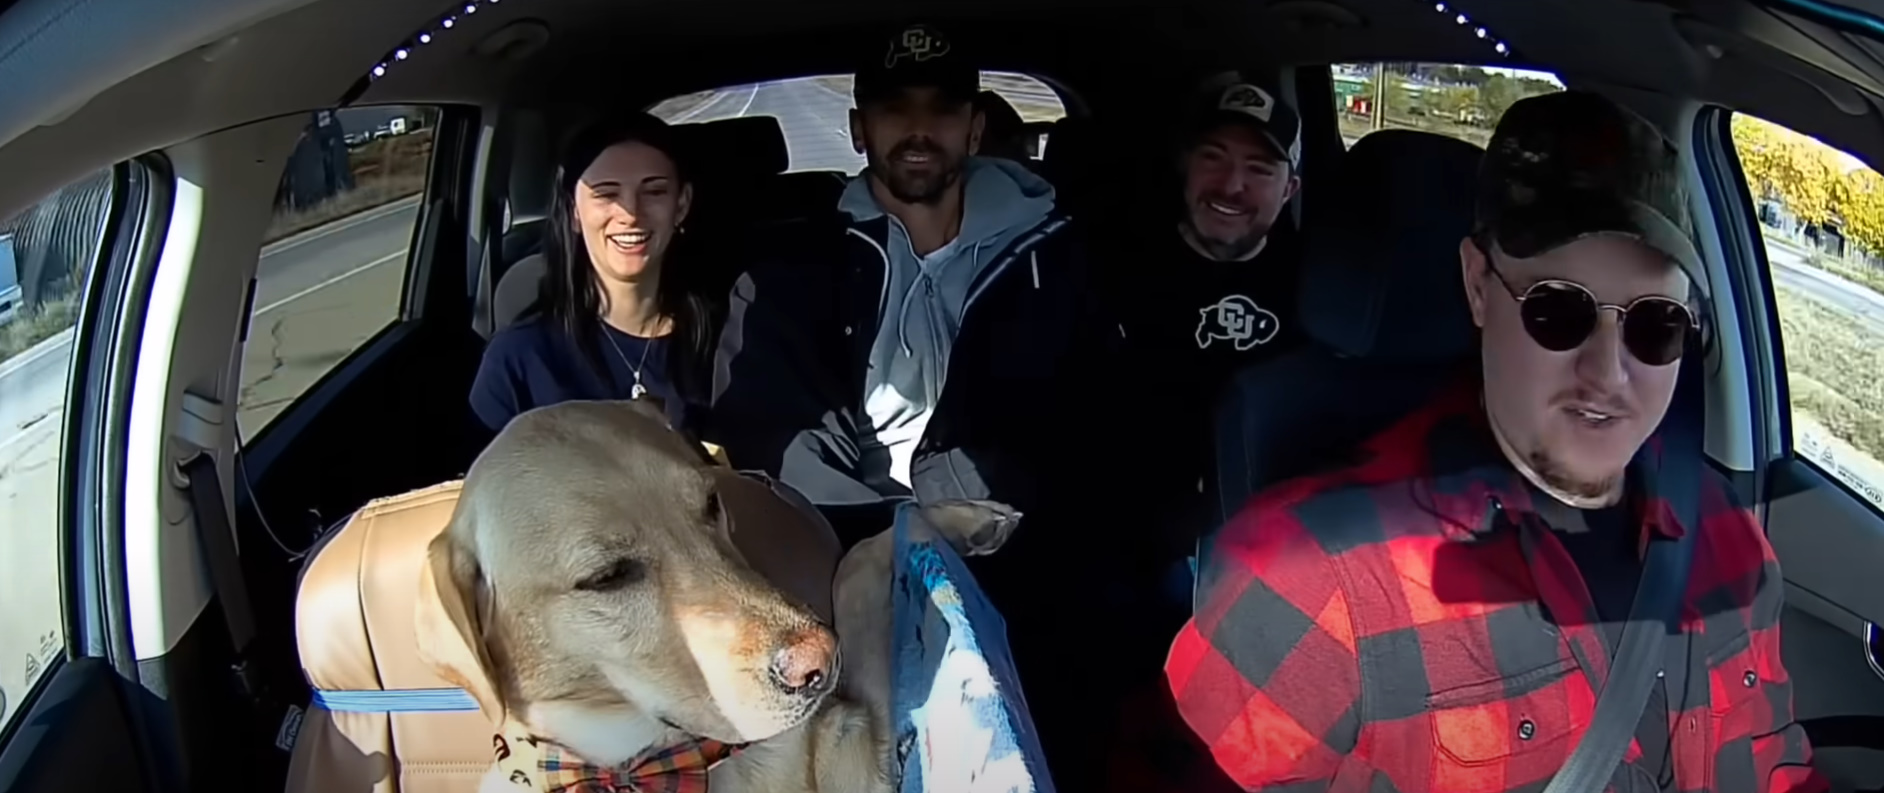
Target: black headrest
[
  {"x": 1070, "y": 142},
  {"x": 748, "y": 147},
  {"x": 1381, "y": 275}
]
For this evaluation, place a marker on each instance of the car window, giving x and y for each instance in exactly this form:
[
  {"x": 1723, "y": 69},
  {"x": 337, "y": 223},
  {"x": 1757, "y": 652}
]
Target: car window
[
  {"x": 333, "y": 262},
  {"x": 46, "y": 254},
  {"x": 1821, "y": 214},
  {"x": 1460, "y": 101},
  {"x": 815, "y": 112}
]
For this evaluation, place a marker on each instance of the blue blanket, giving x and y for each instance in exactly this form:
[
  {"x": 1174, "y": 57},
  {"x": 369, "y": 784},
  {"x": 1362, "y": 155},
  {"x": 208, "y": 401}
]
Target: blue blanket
[{"x": 961, "y": 721}]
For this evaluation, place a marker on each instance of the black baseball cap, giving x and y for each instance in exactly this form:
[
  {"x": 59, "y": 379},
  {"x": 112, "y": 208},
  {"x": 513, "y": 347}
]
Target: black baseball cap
[
  {"x": 1572, "y": 164},
  {"x": 916, "y": 56},
  {"x": 1228, "y": 96}
]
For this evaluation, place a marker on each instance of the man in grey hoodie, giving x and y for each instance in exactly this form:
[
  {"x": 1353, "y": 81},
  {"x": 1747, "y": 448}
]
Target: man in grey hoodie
[
  {"x": 942, "y": 338},
  {"x": 930, "y": 344}
]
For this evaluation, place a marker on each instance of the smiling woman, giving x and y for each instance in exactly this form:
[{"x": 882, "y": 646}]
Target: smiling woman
[{"x": 616, "y": 318}]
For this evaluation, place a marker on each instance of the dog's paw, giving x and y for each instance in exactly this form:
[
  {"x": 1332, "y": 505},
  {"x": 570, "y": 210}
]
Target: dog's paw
[{"x": 973, "y": 528}]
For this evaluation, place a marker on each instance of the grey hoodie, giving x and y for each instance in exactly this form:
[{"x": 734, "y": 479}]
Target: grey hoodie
[{"x": 924, "y": 297}]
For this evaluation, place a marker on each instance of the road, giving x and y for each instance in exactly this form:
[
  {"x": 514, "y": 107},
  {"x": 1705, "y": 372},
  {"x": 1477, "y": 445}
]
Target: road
[
  {"x": 815, "y": 117},
  {"x": 323, "y": 293}
]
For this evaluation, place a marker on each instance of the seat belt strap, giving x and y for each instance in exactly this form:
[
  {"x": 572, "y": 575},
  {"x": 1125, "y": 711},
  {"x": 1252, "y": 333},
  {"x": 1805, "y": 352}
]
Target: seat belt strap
[
  {"x": 217, "y": 538},
  {"x": 1656, "y": 612}
]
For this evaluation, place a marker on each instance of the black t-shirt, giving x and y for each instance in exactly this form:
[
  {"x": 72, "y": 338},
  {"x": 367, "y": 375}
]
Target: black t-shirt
[
  {"x": 1606, "y": 555},
  {"x": 1192, "y": 322}
]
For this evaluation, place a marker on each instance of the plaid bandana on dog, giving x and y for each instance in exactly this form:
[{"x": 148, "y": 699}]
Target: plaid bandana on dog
[{"x": 535, "y": 764}]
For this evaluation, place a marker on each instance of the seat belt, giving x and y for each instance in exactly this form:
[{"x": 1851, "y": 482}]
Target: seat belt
[
  {"x": 214, "y": 533},
  {"x": 1656, "y": 612}
]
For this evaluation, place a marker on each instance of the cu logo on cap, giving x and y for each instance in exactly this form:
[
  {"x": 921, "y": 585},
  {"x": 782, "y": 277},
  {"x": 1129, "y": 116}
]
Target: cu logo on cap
[
  {"x": 917, "y": 44},
  {"x": 1244, "y": 97}
]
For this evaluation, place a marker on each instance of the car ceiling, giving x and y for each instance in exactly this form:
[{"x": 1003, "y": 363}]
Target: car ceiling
[{"x": 84, "y": 83}]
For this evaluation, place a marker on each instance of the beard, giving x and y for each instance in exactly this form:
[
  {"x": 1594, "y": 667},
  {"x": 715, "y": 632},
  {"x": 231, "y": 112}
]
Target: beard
[
  {"x": 1554, "y": 476},
  {"x": 1220, "y": 247},
  {"x": 1226, "y": 250},
  {"x": 925, "y": 185}
]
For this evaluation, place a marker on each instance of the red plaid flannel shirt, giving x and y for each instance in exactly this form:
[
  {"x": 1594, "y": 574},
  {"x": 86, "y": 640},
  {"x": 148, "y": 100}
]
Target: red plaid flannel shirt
[{"x": 1377, "y": 629}]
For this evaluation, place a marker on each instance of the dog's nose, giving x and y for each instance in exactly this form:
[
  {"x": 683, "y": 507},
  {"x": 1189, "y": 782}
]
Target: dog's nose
[{"x": 804, "y": 664}]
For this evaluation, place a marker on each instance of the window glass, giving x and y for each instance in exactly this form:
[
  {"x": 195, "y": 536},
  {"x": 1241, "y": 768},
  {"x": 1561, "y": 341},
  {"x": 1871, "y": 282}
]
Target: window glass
[
  {"x": 46, "y": 255},
  {"x": 333, "y": 264},
  {"x": 1459, "y": 101},
  {"x": 1821, "y": 215},
  {"x": 814, "y": 113}
]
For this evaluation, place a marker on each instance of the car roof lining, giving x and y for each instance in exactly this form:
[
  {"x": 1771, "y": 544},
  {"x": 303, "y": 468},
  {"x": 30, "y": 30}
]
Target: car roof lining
[{"x": 90, "y": 82}]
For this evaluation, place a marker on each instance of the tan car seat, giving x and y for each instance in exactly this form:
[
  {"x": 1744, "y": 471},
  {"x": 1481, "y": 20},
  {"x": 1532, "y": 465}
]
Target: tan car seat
[{"x": 382, "y": 720}]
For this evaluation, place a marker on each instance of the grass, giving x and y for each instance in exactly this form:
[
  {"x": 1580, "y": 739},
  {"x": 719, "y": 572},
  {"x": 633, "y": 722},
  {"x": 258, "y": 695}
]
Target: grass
[
  {"x": 1832, "y": 365},
  {"x": 34, "y": 325},
  {"x": 384, "y": 171},
  {"x": 1355, "y": 127},
  {"x": 1855, "y": 271}
]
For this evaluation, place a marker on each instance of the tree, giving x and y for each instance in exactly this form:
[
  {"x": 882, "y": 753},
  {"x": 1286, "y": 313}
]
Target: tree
[
  {"x": 1498, "y": 94},
  {"x": 1864, "y": 209},
  {"x": 1460, "y": 103},
  {"x": 1796, "y": 170},
  {"x": 1812, "y": 180}
]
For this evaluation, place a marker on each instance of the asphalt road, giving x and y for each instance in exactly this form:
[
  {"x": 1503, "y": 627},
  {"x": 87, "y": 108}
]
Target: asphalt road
[
  {"x": 816, "y": 120},
  {"x": 323, "y": 293}
]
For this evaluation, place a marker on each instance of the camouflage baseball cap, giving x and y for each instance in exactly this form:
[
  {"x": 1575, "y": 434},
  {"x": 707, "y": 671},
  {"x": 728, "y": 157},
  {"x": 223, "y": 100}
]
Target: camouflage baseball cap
[{"x": 1572, "y": 164}]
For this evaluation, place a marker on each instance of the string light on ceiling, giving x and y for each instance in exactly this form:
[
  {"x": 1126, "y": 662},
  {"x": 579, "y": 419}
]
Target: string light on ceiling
[
  {"x": 1459, "y": 18},
  {"x": 430, "y": 33}
]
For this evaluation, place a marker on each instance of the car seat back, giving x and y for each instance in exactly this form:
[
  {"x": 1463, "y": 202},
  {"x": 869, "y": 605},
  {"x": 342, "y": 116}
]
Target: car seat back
[{"x": 1383, "y": 299}]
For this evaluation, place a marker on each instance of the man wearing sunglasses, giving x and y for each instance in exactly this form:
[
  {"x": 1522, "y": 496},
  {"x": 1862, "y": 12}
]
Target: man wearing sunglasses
[{"x": 1442, "y": 616}]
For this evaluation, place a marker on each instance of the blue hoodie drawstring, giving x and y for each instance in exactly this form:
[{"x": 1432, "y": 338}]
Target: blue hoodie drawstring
[{"x": 923, "y": 281}]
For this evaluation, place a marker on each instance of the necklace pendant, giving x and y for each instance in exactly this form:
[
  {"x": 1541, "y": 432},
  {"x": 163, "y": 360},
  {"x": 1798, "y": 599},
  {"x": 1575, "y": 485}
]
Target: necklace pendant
[{"x": 637, "y": 391}]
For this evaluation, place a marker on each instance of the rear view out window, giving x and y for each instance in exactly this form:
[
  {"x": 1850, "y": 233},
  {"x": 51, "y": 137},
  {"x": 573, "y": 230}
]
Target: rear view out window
[
  {"x": 815, "y": 113},
  {"x": 1463, "y": 102}
]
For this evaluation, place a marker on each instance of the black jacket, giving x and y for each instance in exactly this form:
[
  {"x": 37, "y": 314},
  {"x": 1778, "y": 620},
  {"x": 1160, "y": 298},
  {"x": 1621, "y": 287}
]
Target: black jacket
[{"x": 1026, "y": 375}]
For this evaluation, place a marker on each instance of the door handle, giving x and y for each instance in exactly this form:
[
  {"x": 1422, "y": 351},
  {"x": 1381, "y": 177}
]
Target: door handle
[{"x": 1874, "y": 647}]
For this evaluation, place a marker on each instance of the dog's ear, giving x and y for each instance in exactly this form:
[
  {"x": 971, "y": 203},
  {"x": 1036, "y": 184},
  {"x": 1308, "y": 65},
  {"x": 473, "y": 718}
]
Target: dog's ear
[{"x": 450, "y": 622}]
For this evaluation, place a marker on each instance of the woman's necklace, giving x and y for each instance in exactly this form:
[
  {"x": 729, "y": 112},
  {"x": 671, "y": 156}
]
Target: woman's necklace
[{"x": 638, "y": 390}]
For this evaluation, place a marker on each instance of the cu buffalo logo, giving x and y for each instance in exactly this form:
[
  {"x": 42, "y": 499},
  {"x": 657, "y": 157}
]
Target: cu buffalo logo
[
  {"x": 1238, "y": 320},
  {"x": 1244, "y": 97},
  {"x": 917, "y": 44}
]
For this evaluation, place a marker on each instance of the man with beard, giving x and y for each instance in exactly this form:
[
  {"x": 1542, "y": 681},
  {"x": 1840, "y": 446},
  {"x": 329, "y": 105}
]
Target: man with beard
[
  {"x": 940, "y": 341},
  {"x": 931, "y": 343},
  {"x": 1210, "y": 296},
  {"x": 1444, "y": 615}
]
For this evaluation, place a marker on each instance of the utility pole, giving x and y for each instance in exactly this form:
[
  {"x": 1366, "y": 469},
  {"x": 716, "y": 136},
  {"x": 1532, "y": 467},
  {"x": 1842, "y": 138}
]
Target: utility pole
[{"x": 1380, "y": 94}]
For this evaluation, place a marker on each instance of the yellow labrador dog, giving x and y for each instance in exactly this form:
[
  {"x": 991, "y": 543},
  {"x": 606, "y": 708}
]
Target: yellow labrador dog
[{"x": 606, "y": 599}]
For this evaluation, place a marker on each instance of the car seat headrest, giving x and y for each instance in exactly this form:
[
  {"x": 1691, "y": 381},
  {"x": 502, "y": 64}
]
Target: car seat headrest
[
  {"x": 1382, "y": 277},
  {"x": 748, "y": 147}
]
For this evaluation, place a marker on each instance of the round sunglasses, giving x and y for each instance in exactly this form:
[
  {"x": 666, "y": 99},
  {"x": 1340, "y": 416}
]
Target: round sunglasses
[{"x": 1561, "y": 315}]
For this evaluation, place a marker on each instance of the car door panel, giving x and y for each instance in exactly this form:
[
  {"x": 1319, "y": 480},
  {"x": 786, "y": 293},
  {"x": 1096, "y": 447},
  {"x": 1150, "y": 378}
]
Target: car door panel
[
  {"x": 78, "y": 735},
  {"x": 1829, "y": 543}
]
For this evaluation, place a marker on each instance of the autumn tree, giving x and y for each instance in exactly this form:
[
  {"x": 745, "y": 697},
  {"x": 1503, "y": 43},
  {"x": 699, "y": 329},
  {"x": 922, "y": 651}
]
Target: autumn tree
[{"x": 1812, "y": 180}]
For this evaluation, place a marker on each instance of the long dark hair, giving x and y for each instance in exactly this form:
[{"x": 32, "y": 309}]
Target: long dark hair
[{"x": 572, "y": 293}]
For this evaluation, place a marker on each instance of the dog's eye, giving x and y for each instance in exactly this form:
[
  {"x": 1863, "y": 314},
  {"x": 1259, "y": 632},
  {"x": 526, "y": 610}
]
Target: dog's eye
[
  {"x": 621, "y": 573},
  {"x": 715, "y": 511}
]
